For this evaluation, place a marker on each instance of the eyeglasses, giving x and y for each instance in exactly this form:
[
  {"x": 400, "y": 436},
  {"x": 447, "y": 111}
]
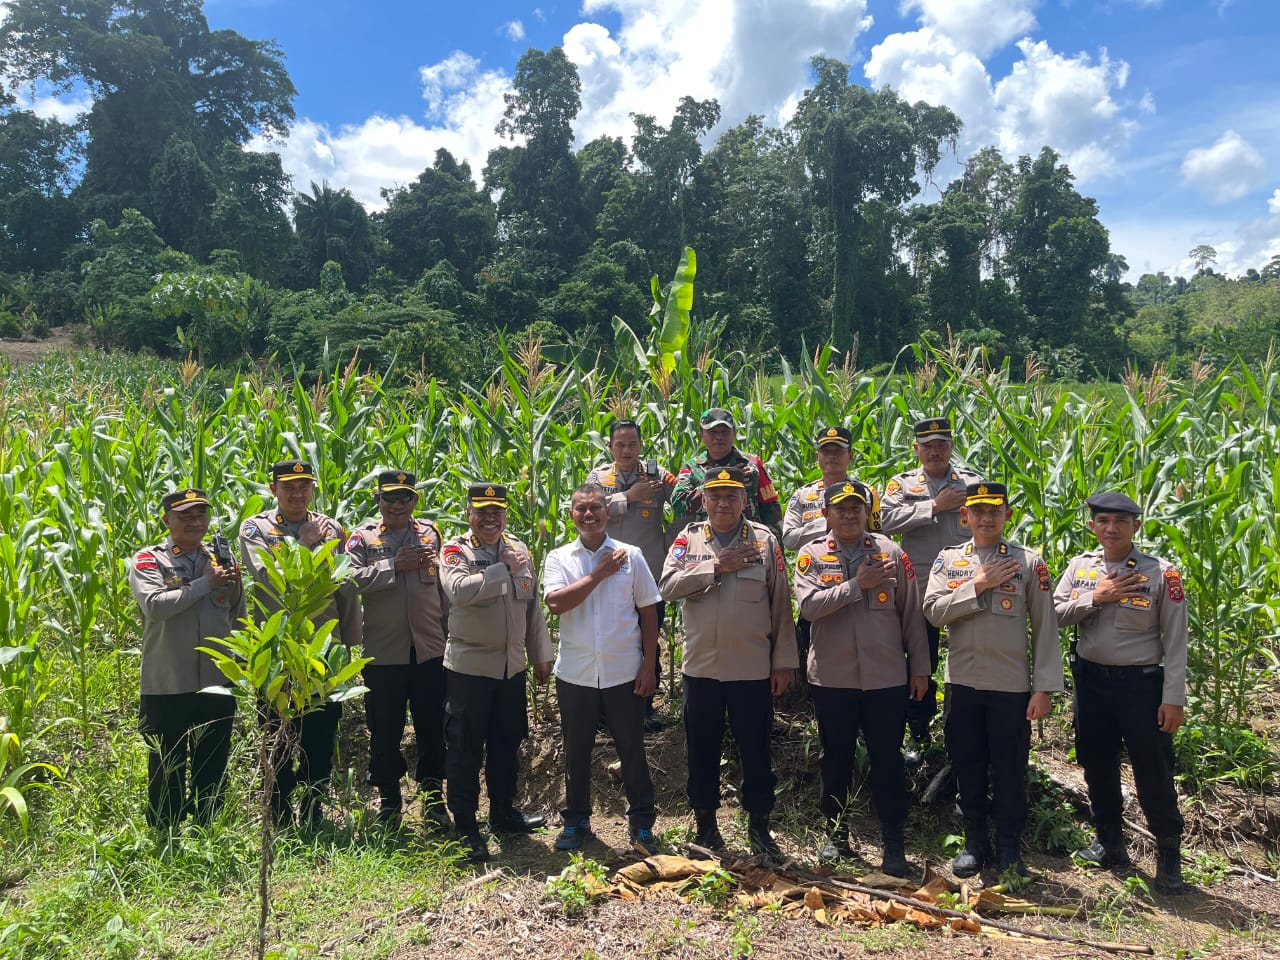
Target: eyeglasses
[{"x": 400, "y": 496}]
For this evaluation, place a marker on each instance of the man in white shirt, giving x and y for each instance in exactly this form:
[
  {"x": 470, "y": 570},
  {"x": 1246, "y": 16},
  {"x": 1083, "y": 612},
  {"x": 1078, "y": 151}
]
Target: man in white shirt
[{"x": 606, "y": 599}]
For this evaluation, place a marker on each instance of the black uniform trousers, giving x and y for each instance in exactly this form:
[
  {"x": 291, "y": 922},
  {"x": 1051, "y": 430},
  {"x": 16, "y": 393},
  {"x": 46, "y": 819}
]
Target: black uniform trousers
[
  {"x": 881, "y": 717},
  {"x": 749, "y": 705},
  {"x": 989, "y": 728},
  {"x": 188, "y": 739},
  {"x": 306, "y": 757},
  {"x": 485, "y": 720},
  {"x": 1115, "y": 705},
  {"x": 581, "y": 710},
  {"x": 920, "y": 712},
  {"x": 392, "y": 687}
]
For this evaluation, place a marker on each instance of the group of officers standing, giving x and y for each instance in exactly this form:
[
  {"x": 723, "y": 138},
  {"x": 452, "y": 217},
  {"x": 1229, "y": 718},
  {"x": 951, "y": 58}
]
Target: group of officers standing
[{"x": 452, "y": 625}]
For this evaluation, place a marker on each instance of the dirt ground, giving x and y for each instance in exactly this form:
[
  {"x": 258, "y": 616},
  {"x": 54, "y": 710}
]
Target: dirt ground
[
  {"x": 1235, "y": 913},
  {"x": 60, "y": 339}
]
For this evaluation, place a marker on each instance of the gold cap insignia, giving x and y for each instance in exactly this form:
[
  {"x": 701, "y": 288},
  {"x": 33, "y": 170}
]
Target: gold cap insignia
[
  {"x": 489, "y": 492},
  {"x": 723, "y": 475},
  {"x": 299, "y": 468},
  {"x": 400, "y": 477},
  {"x": 832, "y": 432},
  {"x": 848, "y": 488},
  {"x": 982, "y": 490},
  {"x": 191, "y": 495},
  {"x": 935, "y": 425}
]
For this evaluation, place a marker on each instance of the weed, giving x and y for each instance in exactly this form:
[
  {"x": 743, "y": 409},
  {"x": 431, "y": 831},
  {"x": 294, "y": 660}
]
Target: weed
[
  {"x": 577, "y": 885},
  {"x": 712, "y": 888},
  {"x": 1206, "y": 868},
  {"x": 743, "y": 927}
]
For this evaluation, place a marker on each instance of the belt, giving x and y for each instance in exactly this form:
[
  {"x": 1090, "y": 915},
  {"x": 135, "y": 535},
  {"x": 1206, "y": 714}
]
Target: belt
[{"x": 1107, "y": 671}]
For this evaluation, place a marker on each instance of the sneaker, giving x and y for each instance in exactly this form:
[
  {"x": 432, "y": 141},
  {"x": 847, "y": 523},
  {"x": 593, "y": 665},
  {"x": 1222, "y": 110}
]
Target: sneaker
[
  {"x": 574, "y": 835},
  {"x": 643, "y": 837}
]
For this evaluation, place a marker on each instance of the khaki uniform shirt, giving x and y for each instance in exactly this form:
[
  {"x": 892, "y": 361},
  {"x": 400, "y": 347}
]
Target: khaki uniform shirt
[
  {"x": 1135, "y": 631},
  {"x": 739, "y": 627},
  {"x": 860, "y": 640},
  {"x": 179, "y": 611},
  {"x": 987, "y": 645},
  {"x": 804, "y": 522},
  {"x": 494, "y": 614},
  {"x": 641, "y": 523},
  {"x": 265, "y": 531},
  {"x": 762, "y": 498},
  {"x": 402, "y": 610},
  {"x": 907, "y": 509}
]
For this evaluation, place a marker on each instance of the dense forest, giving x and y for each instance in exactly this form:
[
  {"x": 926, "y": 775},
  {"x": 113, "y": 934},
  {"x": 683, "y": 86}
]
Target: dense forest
[{"x": 150, "y": 225}]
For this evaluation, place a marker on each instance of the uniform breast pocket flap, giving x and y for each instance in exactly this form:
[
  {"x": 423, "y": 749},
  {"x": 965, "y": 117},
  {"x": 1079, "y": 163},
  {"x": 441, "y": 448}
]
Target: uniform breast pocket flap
[
  {"x": 752, "y": 585},
  {"x": 1134, "y": 616},
  {"x": 524, "y": 588}
]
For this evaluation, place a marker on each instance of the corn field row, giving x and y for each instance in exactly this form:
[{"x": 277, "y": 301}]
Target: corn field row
[{"x": 91, "y": 443}]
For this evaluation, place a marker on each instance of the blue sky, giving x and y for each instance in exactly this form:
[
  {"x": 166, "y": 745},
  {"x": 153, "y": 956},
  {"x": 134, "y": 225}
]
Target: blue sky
[{"x": 1166, "y": 110}]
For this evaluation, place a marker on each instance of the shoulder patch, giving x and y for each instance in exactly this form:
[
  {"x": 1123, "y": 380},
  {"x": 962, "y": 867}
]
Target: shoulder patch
[
  {"x": 803, "y": 562},
  {"x": 1042, "y": 574},
  {"x": 1173, "y": 580},
  {"x": 893, "y": 487},
  {"x": 780, "y": 562},
  {"x": 907, "y": 567},
  {"x": 248, "y": 529},
  {"x": 352, "y": 542},
  {"x": 679, "y": 547},
  {"x": 938, "y": 564},
  {"x": 146, "y": 560}
]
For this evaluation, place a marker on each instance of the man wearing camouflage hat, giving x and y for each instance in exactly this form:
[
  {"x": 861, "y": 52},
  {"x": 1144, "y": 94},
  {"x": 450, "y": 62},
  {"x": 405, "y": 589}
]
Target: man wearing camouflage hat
[
  {"x": 868, "y": 655},
  {"x": 739, "y": 651},
  {"x": 989, "y": 592},
  {"x": 293, "y": 483},
  {"x": 1129, "y": 663},
  {"x": 395, "y": 562},
  {"x": 496, "y": 628},
  {"x": 718, "y": 432},
  {"x": 186, "y": 595},
  {"x": 923, "y": 506}
]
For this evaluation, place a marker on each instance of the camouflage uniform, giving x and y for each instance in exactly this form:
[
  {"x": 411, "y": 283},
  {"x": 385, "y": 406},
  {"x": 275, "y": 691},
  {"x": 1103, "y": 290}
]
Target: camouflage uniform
[{"x": 762, "y": 499}]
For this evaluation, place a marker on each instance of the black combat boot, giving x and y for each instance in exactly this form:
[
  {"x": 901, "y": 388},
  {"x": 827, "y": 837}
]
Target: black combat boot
[
  {"x": 390, "y": 806},
  {"x": 977, "y": 850},
  {"x": 1107, "y": 851},
  {"x": 761, "y": 838},
  {"x": 894, "y": 863},
  {"x": 1009, "y": 857},
  {"x": 1169, "y": 867},
  {"x": 434, "y": 813},
  {"x": 706, "y": 832}
]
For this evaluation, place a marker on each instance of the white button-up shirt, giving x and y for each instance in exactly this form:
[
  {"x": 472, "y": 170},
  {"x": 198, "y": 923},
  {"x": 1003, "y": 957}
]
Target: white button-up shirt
[{"x": 600, "y": 643}]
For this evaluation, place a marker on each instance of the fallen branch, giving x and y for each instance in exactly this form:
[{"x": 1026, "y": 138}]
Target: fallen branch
[
  {"x": 935, "y": 785},
  {"x": 957, "y": 914}
]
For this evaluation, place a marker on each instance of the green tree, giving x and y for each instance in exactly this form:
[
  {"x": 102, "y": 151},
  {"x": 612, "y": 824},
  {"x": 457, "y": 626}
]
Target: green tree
[
  {"x": 333, "y": 226},
  {"x": 38, "y": 220},
  {"x": 440, "y": 216},
  {"x": 182, "y": 197},
  {"x": 863, "y": 147},
  {"x": 155, "y": 71},
  {"x": 249, "y": 213}
]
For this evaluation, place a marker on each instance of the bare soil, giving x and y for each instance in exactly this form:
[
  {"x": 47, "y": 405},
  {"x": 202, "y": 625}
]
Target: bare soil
[
  {"x": 60, "y": 340},
  {"x": 1235, "y": 913}
]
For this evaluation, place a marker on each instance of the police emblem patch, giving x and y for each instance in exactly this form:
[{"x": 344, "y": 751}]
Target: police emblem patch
[
  {"x": 882, "y": 597},
  {"x": 1006, "y": 603},
  {"x": 803, "y": 562}
]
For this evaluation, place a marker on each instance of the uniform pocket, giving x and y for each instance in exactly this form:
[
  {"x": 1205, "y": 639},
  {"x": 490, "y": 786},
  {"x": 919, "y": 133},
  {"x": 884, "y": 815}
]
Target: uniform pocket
[
  {"x": 523, "y": 587},
  {"x": 1135, "y": 619},
  {"x": 752, "y": 587}
]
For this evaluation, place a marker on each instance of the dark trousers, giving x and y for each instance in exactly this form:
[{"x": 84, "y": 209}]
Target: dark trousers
[
  {"x": 392, "y": 687},
  {"x": 920, "y": 712},
  {"x": 1119, "y": 705},
  {"x": 306, "y": 757},
  {"x": 989, "y": 728},
  {"x": 749, "y": 704},
  {"x": 484, "y": 721},
  {"x": 581, "y": 710},
  {"x": 188, "y": 738},
  {"x": 881, "y": 717}
]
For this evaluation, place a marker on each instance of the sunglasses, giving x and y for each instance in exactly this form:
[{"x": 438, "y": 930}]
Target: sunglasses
[{"x": 400, "y": 496}]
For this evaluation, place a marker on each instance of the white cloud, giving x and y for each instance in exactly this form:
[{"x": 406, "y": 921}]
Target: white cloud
[
  {"x": 978, "y": 26},
  {"x": 514, "y": 30},
  {"x": 67, "y": 109},
  {"x": 1068, "y": 103},
  {"x": 1226, "y": 171},
  {"x": 1273, "y": 204}
]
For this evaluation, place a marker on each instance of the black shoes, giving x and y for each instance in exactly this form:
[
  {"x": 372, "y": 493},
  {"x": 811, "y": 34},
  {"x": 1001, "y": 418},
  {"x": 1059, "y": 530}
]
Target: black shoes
[
  {"x": 475, "y": 849},
  {"x": 761, "y": 838},
  {"x": 977, "y": 851},
  {"x": 653, "y": 721},
  {"x": 1106, "y": 851},
  {"x": 706, "y": 831},
  {"x": 895, "y": 859},
  {"x": 511, "y": 820},
  {"x": 1009, "y": 857},
  {"x": 1169, "y": 871}
]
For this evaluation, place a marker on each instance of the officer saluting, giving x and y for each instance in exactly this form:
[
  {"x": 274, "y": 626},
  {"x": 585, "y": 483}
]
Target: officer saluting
[
  {"x": 396, "y": 564},
  {"x": 293, "y": 482},
  {"x": 739, "y": 651},
  {"x": 805, "y": 520},
  {"x": 1132, "y": 618},
  {"x": 923, "y": 506},
  {"x": 868, "y": 651},
  {"x": 185, "y": 595},
  {"x": 988, "y": 591},
  {"x": 495, "y": 620}
]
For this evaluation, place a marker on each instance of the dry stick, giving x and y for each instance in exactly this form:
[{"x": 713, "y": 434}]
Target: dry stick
[
  {"x": 376, "y": 925},
  {"x": 935, "y": 785},
  {"x": 999, "y": 925}
]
